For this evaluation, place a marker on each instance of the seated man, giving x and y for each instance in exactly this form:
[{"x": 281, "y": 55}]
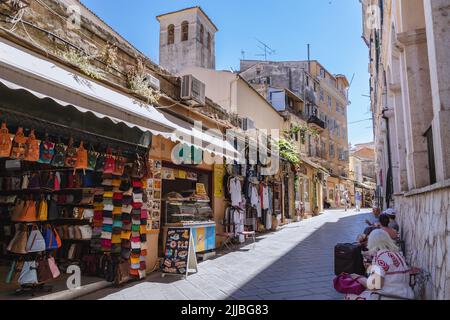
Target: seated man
[{"x": 392, "y": 223}]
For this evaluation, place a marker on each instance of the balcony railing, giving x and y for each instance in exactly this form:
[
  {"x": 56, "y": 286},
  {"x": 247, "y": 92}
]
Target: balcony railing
[{"x": 317, "y": 123}]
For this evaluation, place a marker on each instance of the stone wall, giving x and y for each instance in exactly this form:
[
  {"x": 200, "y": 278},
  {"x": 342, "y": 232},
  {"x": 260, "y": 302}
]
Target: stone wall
[{"x": 424, "y": 220}]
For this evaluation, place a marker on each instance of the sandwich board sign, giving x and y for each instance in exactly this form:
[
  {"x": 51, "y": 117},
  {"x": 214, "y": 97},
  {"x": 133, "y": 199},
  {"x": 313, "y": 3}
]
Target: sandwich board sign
[{"x": 179, "y": 257}]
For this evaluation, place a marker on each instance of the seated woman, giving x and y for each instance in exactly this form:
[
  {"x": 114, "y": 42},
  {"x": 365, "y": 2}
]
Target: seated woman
[
  {"x": 389, "y": 273},
  {"x": 384, "y": 222}
]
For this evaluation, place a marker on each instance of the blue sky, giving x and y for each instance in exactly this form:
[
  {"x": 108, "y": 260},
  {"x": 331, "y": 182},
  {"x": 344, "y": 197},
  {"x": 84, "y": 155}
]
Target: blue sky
[{"x": 332, "y": 27}]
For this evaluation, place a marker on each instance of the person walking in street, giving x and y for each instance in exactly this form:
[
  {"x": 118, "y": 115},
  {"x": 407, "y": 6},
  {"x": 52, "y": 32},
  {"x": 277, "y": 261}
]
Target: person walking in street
[
  {"x": 358, "y": 199},
  {"x": 346, "y": 199}
]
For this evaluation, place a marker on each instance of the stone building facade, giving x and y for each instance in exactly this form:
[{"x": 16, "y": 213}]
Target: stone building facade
[
  {"x": 325, "y": 110},
  {"x": 409, "y": 42}
]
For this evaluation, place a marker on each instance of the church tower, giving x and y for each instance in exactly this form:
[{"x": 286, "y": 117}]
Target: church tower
[{"x": 187, "y": 39}]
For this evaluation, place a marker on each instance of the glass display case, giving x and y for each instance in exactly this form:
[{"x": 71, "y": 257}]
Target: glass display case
[{"x": 188, "y": 211}]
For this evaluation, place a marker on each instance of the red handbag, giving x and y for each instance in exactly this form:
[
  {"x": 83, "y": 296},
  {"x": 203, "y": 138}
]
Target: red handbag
[
  {"x": 110, "y": 162},
  {"x": 344, "y": 283}
]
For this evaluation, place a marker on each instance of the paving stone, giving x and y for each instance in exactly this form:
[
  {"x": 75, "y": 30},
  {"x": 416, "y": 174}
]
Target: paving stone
[{"x": 295, "y": 263}]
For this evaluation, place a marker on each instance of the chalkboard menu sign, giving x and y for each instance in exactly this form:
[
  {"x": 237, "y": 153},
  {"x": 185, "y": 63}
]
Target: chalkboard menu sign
[{"x": 179, "y": 258}]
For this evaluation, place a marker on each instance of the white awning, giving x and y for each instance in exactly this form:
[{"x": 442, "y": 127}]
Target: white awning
[{"x": 22, "y": 69}]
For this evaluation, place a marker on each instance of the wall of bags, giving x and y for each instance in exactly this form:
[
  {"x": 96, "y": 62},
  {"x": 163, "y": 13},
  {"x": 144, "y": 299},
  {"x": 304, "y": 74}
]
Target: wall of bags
[{"x": 65, "y": 203}]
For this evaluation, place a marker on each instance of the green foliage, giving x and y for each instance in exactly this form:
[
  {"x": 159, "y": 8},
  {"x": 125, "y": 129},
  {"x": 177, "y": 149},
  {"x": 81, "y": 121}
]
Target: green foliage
[{"x": 288, "y": 151}]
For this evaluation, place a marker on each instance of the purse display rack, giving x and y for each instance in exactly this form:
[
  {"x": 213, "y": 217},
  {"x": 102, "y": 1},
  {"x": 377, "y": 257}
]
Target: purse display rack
[{"x": 32, "y": 264}]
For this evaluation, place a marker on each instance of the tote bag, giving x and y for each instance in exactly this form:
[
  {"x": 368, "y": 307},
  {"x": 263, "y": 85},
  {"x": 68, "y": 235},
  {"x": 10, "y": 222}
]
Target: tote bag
[
  {"x": 18, "y": 244},
  {"x": 5, "y": 142},
  {"x": 36, "y": 242},
  {"x": 29, "y": 273},
  {"x": 32, "y": 148}
]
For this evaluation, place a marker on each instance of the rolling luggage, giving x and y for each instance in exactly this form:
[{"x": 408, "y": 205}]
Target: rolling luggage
[{"x": 348, "y": 259}]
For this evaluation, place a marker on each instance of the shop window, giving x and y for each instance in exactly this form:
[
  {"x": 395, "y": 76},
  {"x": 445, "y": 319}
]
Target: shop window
[{"x": 185, "y": 31}]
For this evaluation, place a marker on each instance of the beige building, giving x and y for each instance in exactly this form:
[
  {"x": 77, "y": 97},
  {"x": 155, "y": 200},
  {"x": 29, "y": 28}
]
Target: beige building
[{"x": 409, "y": 42}]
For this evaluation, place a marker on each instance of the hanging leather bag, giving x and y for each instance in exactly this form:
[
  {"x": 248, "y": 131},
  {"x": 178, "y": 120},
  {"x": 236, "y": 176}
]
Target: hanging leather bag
[
  {"x": 29, "y": 213},
  {"x": 19, "y": 145},
  {"x": 18, "y": 244},
  {"x": 53, "y": 267},
  {"x": 110, "y": 163},
  {"x": 119, "y": 166},
  {"x": 138, "y": 169},
  {"x": 43, "y": 210},
  {"x": 52, "y": 210},
  {"x": 52, "y": 238},
  {"x": 36, "y": 242},
  {"x": 71, "y": 155},
  {"x": 5, "y": 142},
  {"x": 29, "y": 273},
  {"x": 92, "y": 158},
  {"x": 32, "y": 148},
  {"x": 44, "y": 273},
  {"x": 82, "y": 158},
  {"x": 46, "y": 151},
  {"x": 60, "y": 155},
  {"x": 18, "y": 210}
]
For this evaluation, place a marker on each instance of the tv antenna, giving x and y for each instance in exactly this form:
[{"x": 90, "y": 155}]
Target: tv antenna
[
  {"x": 243, "y": 54},
  {"x": 268, "y": 51}
]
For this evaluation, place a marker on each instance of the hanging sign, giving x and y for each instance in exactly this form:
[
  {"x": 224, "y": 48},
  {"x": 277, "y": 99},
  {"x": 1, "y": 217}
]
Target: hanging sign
[
  {"x": 179, "y": 257},
  {"x": 218, "y": 180}
]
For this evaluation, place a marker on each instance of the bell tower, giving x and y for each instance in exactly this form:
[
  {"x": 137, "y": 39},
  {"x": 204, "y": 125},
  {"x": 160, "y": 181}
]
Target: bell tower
[{"x": 187, "y": 39}]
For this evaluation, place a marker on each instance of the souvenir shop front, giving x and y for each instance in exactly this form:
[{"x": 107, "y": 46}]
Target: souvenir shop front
[
  {"x": 189, "y": 196},
  {"x": 74, "y": 183}
]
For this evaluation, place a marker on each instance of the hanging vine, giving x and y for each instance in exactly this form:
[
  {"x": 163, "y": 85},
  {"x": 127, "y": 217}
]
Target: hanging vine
[
  {"x": 137, "y": 82},
  {"x": 82, "y": 61}
]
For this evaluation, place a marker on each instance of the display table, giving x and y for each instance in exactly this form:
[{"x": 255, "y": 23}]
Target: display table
[{"x": 204, "y": 234}]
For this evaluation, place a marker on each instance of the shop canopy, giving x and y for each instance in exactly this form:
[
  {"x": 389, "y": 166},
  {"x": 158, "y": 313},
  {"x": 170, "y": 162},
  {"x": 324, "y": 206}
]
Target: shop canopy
[{"x": 20, "y": 69}]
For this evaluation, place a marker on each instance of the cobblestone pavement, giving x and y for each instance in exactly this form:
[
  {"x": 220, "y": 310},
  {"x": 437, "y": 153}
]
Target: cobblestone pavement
[{"x": 294, "y": 263}]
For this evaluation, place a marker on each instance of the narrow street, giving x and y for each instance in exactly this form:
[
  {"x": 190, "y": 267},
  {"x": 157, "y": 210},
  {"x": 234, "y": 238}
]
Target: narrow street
[{"x": 293, "y": 263}]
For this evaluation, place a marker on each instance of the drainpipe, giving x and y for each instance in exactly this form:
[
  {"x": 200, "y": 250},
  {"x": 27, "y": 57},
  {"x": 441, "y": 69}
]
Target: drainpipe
[{"x": 389, "y": 182}]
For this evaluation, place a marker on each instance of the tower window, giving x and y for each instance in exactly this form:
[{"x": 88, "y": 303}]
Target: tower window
[
  {"x": 185, "y": 31},
  {"x": 209, "y": 41},
  {"x": 171, "y": 34},
  {"x": 202, "y": 33}
]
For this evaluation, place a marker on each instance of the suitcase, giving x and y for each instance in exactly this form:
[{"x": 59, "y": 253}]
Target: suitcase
[{"x": 348, "y": 259}]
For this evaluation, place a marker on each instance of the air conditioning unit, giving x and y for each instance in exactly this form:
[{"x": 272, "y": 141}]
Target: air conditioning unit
[
  {"x": 247, "y": 124},
  {"x": 152, "y": 81},
  {"x": 192, "y": 90}
]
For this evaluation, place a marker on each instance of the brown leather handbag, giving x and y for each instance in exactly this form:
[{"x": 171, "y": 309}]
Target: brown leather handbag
[
  {"x": 19, "y": 145},
  {"x": 119, "y": 167},
  {"x": 18, "y": 244},
  {"x": 44, "y": 272},
  {"x": 30, "y": 213},
  {"x": 32, "y": 151},
  {"x": 18, "y": 210},
  {"x": 122, "y": 273},
  {"x": 5, "y": 142}
]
